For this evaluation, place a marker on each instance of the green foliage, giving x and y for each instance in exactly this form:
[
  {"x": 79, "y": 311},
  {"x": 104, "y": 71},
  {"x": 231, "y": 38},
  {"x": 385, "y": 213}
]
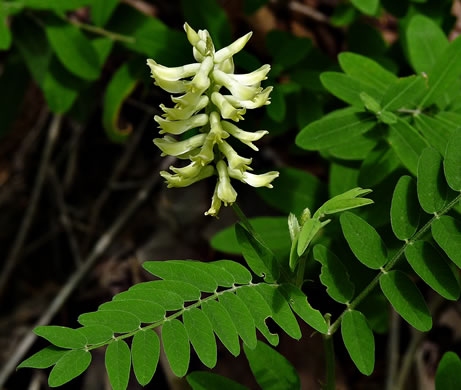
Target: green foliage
[{"x": 448, "y": 372}]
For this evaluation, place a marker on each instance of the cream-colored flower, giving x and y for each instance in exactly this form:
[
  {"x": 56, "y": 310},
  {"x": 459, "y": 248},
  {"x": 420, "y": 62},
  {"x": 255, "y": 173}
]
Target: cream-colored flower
[{"x": 202, "y": 106}]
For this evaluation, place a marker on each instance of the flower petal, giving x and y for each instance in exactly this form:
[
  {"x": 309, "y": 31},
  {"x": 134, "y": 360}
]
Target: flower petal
[
  {"x": 225, "y": 190},
  {"x": 215, "y": 204},
  {"x": 228, "y": 111},
  {"x": 181, "y": 181},
  {"x": 263, "y": 180},
  {"x": 185, "y": 112},
  {"x": 181, "y": 126},
  {"x": 172, "y": 74},
  {"x": 232, "y": 49},
  {"x": 239, "y": 91},
  {"x": 171, "y": 147},
  {"x": 235, "y": 161},
  {"x": 245, "y": 137}
]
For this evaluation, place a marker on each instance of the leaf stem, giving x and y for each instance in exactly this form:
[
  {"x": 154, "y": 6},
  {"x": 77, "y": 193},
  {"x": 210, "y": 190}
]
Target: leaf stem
[
  {"x": 334, "y": 327},
  {"x": 100, "y": 31},
  {"x": 330, "y": 362}
]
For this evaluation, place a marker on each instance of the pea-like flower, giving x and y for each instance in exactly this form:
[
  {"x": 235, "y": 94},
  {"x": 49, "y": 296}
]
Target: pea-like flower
[{"x": 204, "y": 106}]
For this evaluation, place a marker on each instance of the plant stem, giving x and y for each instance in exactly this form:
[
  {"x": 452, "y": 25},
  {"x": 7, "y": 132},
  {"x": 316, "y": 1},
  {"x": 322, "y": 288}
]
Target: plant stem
[
  {"x": 330, "y": 362},
  {"x": 334, "y": 327},
  {"x": 243, "y": 218},
  {"x": 301, "y": 268},
  {"x": 100, "y": 31}
]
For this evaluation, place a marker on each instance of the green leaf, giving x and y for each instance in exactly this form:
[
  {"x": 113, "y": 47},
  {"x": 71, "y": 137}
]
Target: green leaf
[
  {"x": 44, "y": 358},
  {"x": 202, "y": 380},
  {"x": 342, "y": 177},
  {"x": 359, "y": 341},
  {"x": 270, "y": 369},
  {"x": 334, "y": 205},
  {"x": 432, "y": 268},
  {"x": 69, "y": 366},
  {"x": 176, "y": 346},
  {"x": 432, "y": 188},
  {"x": 357, "y": 147},
  {"x": 405, "y": 211},
  {"x": 378, "y": 165},
  {"x": 365, "y": 69},
  {"x": 407, "y": 144},
  {"x": 333, "y": 131},
  {"x": 117, "y": 321},
  {"x": 448, "y": 374},
  {"x": 240, "y": 274},
  {"x": 281, "y": 311},
  {"x": 447, "y": 233},
  {"x": 118, "y": 364},
  {"x": 406, "y": 299},
  {"x": 364, "y": 241},
  {"x": 369, "y": 7},
  {"x": 5, "y": 33},
  {"x": 258, "y": 256},
  {"x": 334, "y": 275},
  {"x": 426, "y": 42},
  {"x": 186, "y": 291},
  {"x": 346, "y": 88},
  {"x": 171, "y": 270},
  {"x": 222, "y": 325},
  {"x": 259, "y": 310},
  {"x": 445, "y": 73},
  {"x": 308, "y": 231},
  {"x": 241, "y": 317},
  {"x": 403, "y": 93},
  {"x": 96, "y": 334},
  {"x": 168, "y": 300},
  {"x": 287, "y": 49},
  {"x": 434, "y": 131},
  {"x": 201, "y": 335},
  {"x": 295, "y": 190},
  {"x": 101, "y": 11},
  {"x": 343, "y": 15},
  {"x": 120, "y": 87},
  {"x": 72, "y": 48},
  {"x": 61, "y": 336},
  {"x": 299, "y": 304},
  {"x": 370, "y": 103},
  {"x": 273, "y": 231},
  {"x": 452, "y": 162},
  {"x": 220, "y": 275},
  {"x": 145, "y": 311},
  {"x": 145, "y": 352},
  {"x": 277, "y": 109}
]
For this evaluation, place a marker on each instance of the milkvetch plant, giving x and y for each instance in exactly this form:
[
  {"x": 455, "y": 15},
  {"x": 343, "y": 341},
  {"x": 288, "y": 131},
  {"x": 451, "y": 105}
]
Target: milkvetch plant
[
  {"x": 393, "y": 124},
  {"x": 205, "y": 106}
]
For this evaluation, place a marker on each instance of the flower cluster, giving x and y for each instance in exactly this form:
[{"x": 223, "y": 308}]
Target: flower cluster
[{"x": 202, "y": 105}]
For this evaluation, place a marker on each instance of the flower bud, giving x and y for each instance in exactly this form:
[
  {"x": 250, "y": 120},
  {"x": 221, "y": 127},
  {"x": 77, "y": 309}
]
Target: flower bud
[
  {"x": 259, "y": 100},
  {"x": 180, "y": 126},
  {"x": 228, "y": 111},
  {"x": 235, "y": 161},
  {"x": 171, "y": 147},
  {"x": 201, "y": 81},
  {"x": 245, "y": 137},
  {"x": 215, "y": 203},
  {"x": 190, "y": 170},
  {"x": 232, "y": 49},
  {"x": 181, "y": 181},
  {"x": 239, "y": 91},
  {"x": 185, "y": 112}
]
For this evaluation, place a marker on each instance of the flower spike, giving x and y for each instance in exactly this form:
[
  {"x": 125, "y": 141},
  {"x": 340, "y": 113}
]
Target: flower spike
[{"x": 201, "y": 105}]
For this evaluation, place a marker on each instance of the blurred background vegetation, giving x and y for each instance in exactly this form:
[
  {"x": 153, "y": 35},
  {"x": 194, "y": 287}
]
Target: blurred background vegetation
[{"x": 82, "y": 204}]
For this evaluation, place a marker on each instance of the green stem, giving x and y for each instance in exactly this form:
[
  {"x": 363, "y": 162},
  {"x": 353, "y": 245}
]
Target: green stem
[
  {"x": 334, "y": 327},
  {"x": 330, "y": 362},
  {"x": 100, "y": 31},
  {"x": 301, "y": 268}
]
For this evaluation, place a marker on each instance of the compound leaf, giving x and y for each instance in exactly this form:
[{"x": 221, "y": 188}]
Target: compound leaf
[
  {"x": 406, "y": 299},
  {"x": 403, "y": 93},
  {"x": 69, "y": 366},
  {"x": 240, "y": 274},
  {"x": 96, "y": 334},
  {"x": 166, "y": 299},
  {"x": 363, "y": 240},
  {"x": 359, "y": 341},
  {"x": 186, "y": 291},
  {"x": 176, "y": 346},
  {"x": 432, "y": 268},
  {"x": 118, "y": 364},
  {"x": 145, "y": 311},
  {"x": 145, "y": 352}
]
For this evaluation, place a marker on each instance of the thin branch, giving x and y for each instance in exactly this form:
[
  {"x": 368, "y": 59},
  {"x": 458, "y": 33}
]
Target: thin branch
[
  {"x": 99, "y": 248},
  {"x": 308, "y": 11},
  {"x": 64, "y": 217},
  {"x": 330, "y": 362},
  {"x": 100, "y": 31},
  {"x": 13, "y": 256}
]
